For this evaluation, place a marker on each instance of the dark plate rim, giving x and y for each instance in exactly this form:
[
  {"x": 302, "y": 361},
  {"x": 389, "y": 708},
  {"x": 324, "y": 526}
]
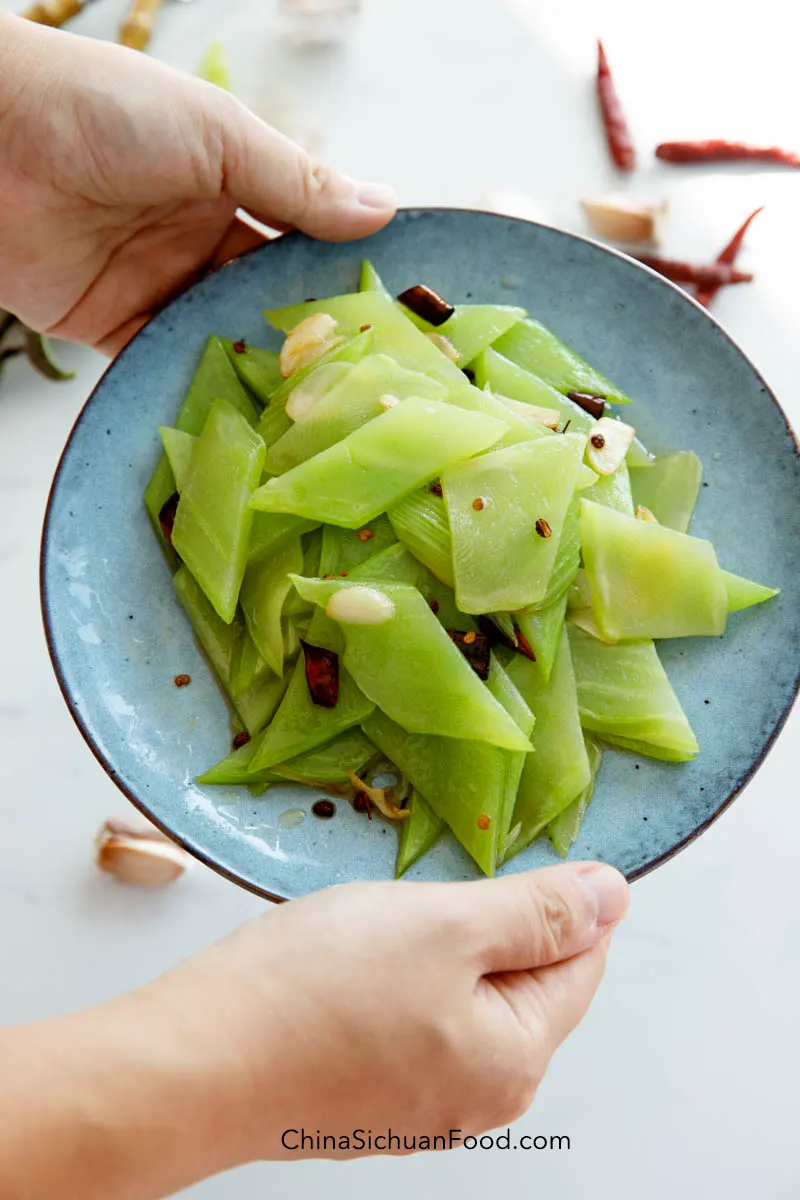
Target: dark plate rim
[{"x": 186, "y": 843}]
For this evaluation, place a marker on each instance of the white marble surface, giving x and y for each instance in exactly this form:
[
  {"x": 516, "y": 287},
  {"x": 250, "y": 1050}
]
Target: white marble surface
[{"x": 682, "y": 1079}]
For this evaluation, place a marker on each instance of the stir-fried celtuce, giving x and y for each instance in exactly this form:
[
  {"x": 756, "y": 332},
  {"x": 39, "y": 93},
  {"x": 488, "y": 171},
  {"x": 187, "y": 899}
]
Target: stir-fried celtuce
[{"x": 457, "y": 561}]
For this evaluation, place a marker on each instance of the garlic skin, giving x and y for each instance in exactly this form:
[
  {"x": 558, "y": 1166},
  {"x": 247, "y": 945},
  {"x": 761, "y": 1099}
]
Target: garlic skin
[
  {"x": 617, "y": 219},
  {"x": 140, "y": 856},
  {"x": 360, "y": 606},
  {"x": 608, "y": 444},
  {"x": 307, "y": 342}
]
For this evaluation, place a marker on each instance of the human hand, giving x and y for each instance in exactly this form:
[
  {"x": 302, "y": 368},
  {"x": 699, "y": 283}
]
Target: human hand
[
  {"x": 421, "y": 1007},
  {"x": 120, "y": 179}
]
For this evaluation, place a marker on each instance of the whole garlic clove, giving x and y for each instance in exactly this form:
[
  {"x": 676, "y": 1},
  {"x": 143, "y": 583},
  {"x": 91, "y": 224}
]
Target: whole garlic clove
[
  {"x": 144, "y": 857},
  {"x": 307, "y": 342},
  {"x": 619, "y": 220},
  {"x": 608, "y": 444}
]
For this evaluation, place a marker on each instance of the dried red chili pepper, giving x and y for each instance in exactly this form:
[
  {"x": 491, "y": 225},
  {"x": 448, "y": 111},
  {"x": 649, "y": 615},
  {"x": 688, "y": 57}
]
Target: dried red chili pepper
[
  {"x": 711, "y": 275},
  {"x": 620, "y": 142},
  {"x": 475, "y": 648},
  {"x": 705, "y": 295},
  {"x": 720, "y": 150},
  {"x": 241, "y": 739},
  {"x": 240, "y": 347},
  {"x": 166, "y": 517},
  {"x": 523, "y": 645},
  {"x": 496, "y": 637},
  {"x": 182, "y": 681},
  {"x": 595, "y": 406},
  {"x": 362, "y": 803},
  {"x": 427, "y": 304},
  {"x": 322, "y": 675},
  {"x": 436, "y": 489}
]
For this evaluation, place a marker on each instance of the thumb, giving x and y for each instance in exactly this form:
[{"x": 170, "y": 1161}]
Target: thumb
[
  {"x": 281, "y": 185},
  {"x": 542, "y": 917}
]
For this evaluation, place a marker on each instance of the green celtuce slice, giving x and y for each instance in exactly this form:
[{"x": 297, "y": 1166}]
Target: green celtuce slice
[
  {"x": 258, "y": 369},
  {"x": 421, "y": 523},
  {"x": 539, "y": 351},
  {"x": 647, "y": 581},
  {"x": 410, "y": 668},
  {"x": 265, "y": 588},
  {"x": 357, "y": 479},
  {"x": 613, "y": 491},
  {"x": 473, "y": 327},
  {"x": 369, "y": 280},
  {"x": 392, "y": 332},
  {"x": 214, "y": 379},
  {"x": 624, "y": 695},
  {"x": 507, "y": 511},
  {"x": 179, "y": 448},
  {"x": 744, "y": 593},
  {"x": 236, "y": 768},
  {"x": 669, "y": 487},
  {"x": 327, "y": 764},
  {"x": 420, "y": 830},
  {"x": 542, "y": 629},
  {"x": 506, "y": 378},
  {"x": 330, "y": 764},
  {"x": 270, "y": 531},
  {"x": 559, "y": 768},
  {"x": 257, "y": 697},
  {"x": 564, "y": 829},
  {"x": 461, "y": 780},
  {"x": 519, "y": 429},
  {"x": 567, "y": 560},
  {"x": 343, "y": 550},
  {"x": 214, "y": 66},
  {"x": 300, "y": 725},
  {"x": 347, "y": 406},
  {"x": 212, "y": 525}
]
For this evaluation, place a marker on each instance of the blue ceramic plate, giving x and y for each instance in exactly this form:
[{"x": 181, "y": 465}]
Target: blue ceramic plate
[{"x": 117, "y": 636}]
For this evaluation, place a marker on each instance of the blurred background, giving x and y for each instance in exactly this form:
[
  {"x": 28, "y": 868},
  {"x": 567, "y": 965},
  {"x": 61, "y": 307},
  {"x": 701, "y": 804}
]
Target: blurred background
[{"x": 682, "y": 1077}]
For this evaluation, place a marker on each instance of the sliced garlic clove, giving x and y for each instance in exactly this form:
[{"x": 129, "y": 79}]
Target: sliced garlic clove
[
  {"x": 644, "y": 514},
  {"x": 308, "y": 393},
  {"x": 388, "y": 401},
  {"x": 360, "y": 606},
  {"x": 619, "y": 220},
  {"x": 304, "y": 344},
  {"x": 144, "y": 858},
  {"x": 549, "y": 417},
  {"x": 445, "y": 345},
  {"x": 608, "y": 444}
]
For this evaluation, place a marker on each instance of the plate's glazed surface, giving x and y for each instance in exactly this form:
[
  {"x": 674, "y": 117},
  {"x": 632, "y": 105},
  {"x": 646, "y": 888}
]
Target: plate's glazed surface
[{"x": 118, "y": 637}]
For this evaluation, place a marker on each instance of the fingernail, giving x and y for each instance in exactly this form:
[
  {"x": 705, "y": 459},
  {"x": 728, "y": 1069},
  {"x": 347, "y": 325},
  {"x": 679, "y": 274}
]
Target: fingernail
[
  {"x": 608, "y": 890},
  {"x": 376, "y": 195}
]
